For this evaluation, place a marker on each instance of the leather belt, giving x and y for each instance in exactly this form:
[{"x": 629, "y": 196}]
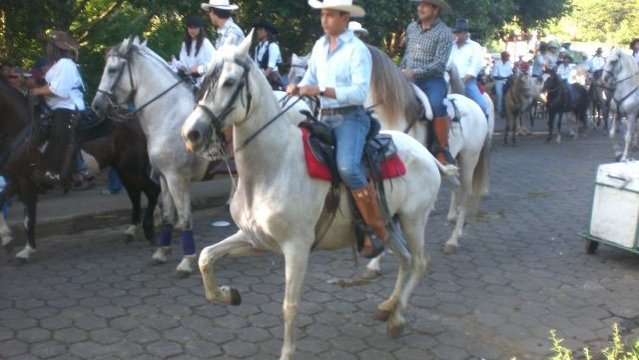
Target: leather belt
[{"x": 340, "y": 110}]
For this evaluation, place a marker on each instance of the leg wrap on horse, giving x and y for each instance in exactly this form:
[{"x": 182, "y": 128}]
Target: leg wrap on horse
[
  {"x": 188, "y": 244},
  {"x": 441, "y": 127},
  {"x": 165, "y": 235}
]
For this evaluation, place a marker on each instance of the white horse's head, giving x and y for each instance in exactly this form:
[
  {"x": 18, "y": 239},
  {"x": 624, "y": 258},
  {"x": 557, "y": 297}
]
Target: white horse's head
[
  {"x": 226, "y": 99},
  {"x": 620, "y": 70},
  {"x": 116, "y": 84},
  {"x": 299, "y": 64}
]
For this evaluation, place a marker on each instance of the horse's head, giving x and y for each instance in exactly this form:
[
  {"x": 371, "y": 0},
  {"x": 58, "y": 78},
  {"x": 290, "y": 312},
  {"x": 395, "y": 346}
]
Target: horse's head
[
  {"x": 612, "y": 68},
  {"x": 298, "y": 68},
  {"x": 226, "y": 99},
  {"x": 552, "y": 82},
  {"x": 116, "y": 85}
]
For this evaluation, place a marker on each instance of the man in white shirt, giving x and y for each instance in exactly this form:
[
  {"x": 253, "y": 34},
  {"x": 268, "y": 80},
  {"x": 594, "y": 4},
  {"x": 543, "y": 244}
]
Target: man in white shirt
[
  {"x": 502, "y": 70},
  {"x": 566, "y": 74},
  {"x": 597, "y": 62},
  {"x": 467, "y": 56}
]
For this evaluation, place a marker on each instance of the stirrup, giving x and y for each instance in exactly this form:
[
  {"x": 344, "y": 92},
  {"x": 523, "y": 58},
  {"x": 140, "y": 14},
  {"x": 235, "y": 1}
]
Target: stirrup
[
  {"x": 377, "y": 247},
  {"x": 450, "y": 160}
]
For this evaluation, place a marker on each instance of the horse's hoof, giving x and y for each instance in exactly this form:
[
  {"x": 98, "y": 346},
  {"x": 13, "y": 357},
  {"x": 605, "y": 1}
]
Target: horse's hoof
[
  {"x": 395, "y": 331},
  {"x": 449, "y": 249},
  {"x": 8, "y": 247},
  {"x": 21, "y": 261},
  {"x": 369, "y": 274},
  {"x": 149, "y": 234},
  {"x": 156, "y": 262},
  {"x": 236, "y": 298},
  {"x": 381, "y": 315},
  {"x": 182, "y": 274}
]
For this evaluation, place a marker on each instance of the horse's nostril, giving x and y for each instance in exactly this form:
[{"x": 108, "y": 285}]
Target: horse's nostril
[{"x": 193, "y": 136}]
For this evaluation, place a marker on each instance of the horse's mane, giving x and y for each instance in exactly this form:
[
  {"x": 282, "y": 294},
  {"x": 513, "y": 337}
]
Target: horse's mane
[
  {"x": 211, "y": 77},
  {"x": 134, "y": 44},
  {"x": 390, "y": 88},
  {"x": 456, "y": 83}
]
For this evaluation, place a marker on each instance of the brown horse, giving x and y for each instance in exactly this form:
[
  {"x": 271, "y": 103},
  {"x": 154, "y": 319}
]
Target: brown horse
[
  {"x": 36, "y": 152},
  {"x": 26, "y": 145},
  {"x": 122, "y": 146},
  {"x": 515, "y": 99}
]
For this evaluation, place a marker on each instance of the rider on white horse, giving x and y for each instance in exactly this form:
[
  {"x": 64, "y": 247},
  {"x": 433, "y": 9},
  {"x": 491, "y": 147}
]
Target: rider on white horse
[
  {"x": 428, "y": 45},
  {"x": 466, "y": 55},
  {"x": 339, "y": 72}
]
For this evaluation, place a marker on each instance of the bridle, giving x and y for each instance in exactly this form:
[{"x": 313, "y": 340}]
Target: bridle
[
  {"x": 613, "y": 73},
  {"x": 129, "y": 102},
  {"x": 217, "y": 121}
]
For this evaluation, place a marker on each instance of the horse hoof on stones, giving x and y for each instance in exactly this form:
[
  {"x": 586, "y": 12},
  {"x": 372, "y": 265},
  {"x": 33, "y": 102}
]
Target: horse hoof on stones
[
  {"x": 449, "y": 249},
  {"x": 149, "y": 234},
  {"x": 236, "y": 298},
  {"x": 156, "y": 262},
  {"x": 182, "y": 274},
  {"x": 21, "y": 261},
  {"x": 370, "y": 274},
  {"x": 128, "y": 238},
  {"x": 394, "y": 331},
  {"x": 381, "y": 315}
]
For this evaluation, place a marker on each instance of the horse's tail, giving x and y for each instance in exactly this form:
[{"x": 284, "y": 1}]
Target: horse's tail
[
  {"x": 456, "y": 83},
  {"x": 481, "y": 175},
  {"x": 390, "y": 90}
]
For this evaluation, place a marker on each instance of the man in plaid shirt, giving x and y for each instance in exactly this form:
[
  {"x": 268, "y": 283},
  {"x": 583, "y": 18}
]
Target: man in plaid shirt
[{"x": 428, "y": 45}]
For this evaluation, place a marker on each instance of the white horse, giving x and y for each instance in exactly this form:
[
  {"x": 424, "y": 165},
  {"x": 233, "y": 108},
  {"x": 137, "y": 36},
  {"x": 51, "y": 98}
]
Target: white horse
[
  {"x": 277, "y": 205},
  {"x": 469, "y": 140},
  {"x": 136, "y": 75},
  {"x": 621, "y": 73}
]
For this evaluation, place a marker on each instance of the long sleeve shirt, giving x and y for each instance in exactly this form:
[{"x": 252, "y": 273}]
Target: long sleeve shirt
[
  {"x": 502, "y": 70},
  {"x": 467, "y": 58},
  {"x": 202, "y": 57},
  {"x": 427, "y": 51},
  {"x": 65, "y": 82},
  {"x": 347, "y": 69}
]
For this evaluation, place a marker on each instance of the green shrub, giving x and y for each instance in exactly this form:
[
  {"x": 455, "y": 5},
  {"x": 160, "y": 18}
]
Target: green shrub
[{"x": 617, "y": 351}]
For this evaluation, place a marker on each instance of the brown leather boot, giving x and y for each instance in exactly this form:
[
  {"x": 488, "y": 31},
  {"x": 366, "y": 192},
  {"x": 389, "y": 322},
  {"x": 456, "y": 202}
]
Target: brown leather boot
[
  {"x": 441, "y": 128},
  {"x": 368, "y": 206}
]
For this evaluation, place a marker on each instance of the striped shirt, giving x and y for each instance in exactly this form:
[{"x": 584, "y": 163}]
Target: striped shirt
[{"x": 427, "y": 51}]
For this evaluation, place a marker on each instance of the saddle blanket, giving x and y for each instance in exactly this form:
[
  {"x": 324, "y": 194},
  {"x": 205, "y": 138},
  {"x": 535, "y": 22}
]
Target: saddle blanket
[{"x": 391, "y": 167}]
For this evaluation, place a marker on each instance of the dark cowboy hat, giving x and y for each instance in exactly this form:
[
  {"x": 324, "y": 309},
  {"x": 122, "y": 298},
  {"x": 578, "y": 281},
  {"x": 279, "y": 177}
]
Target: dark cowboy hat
[
  {"x": 442, "y": 4},
  {"x": 634, "y": 41},
  {"x": 266, "y": 25},
  {"x": 599, "y": 51},
  {"x": 61, "y": 40},
  {"x": 194, "y": 20},
  {"x": 461, "y": 25}
]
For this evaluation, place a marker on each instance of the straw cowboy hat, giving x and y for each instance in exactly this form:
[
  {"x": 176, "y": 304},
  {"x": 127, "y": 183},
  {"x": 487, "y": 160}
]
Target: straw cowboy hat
[
  {"x": 354, "y": 26},
  {"x": 218, "y": 4},
  {"x": 339, "y": 5},
  {"x": 442, "y": 4},
  {"x": 61, "y": 40}
]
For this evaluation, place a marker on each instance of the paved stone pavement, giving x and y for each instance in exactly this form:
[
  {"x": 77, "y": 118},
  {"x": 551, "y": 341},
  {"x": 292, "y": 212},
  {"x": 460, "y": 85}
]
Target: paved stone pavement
[{"x": 521, "y": 271}]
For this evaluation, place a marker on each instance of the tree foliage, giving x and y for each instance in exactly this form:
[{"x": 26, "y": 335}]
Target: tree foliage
[{"x": 99, "y": 24}]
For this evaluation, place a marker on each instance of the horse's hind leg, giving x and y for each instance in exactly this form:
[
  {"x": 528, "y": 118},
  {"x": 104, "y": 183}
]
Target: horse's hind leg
[
  {"x": 152, "y": 192},
  {"x": 551, "y": 125},
  {"x": 163, "y": 250},
  {"x": 136, "y": 213},
  {"x": 467, "y": 164},
  {"x": 29, "y": 193},
  {"x": 6, "y": 240}
]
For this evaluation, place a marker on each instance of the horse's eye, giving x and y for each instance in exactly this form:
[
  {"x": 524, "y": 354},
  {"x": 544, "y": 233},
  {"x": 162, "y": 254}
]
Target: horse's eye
[
  {"x": 112, "y": 70},
  {"x": 228, "y": 83}
]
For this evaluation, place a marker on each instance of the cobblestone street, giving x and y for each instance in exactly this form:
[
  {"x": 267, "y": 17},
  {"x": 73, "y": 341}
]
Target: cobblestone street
[{"x": 520, "y": 271}]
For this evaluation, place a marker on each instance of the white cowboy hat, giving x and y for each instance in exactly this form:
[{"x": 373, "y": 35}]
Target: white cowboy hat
[
  {"x": 339, "y": 5},
  {"x": 354, "y": 26},
  {"x": 218, "y": 4}
]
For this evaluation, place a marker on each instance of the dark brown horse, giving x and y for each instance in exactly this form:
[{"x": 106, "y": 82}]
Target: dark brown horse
[
  {"x": 559, "y": 102},
  {"x": 27, "y": 154},
  {"x": 37, "y": 153},
  {"x": 122, "y": 145}
]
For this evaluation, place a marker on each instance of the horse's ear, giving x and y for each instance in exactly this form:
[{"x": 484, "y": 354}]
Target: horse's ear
[
  {"x": 245, "y": 45},
  {"x": 143, "y": 44},
  {"x": 294, "y": 57},
  {"x": 136, "y": 41}
]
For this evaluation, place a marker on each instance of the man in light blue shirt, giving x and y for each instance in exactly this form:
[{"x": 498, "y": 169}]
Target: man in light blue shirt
[{"x": 339, "y": 71}]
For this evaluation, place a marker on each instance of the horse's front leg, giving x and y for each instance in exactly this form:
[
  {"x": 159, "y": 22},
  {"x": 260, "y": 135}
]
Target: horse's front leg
[
  {"x": 238, "y": 244},
  {"x": 296, "y": 253},
  {"x": 152, "y": 192},
  {"x": 630, "y": 129},
  {"x": 180, "y": 193},
  {"x": 136, "y": 214},
  {"x": 6, "y": 239},
  {"x": 163, "y": 250}
]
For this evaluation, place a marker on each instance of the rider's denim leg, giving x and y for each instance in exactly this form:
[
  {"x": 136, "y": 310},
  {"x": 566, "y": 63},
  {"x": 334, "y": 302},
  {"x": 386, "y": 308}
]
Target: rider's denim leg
[
  {"x": 571, "y": 91},
  {"x": 472, "y": 91},
  {"x": 499, "y": 91},
  {"x": 436, "y": 90},
  {"x": 350, "y": 132}
]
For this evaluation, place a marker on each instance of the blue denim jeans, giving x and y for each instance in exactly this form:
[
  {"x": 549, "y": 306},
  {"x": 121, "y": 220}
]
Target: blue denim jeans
[
  {"x": 436, "y": 90},
  {"x": 114, "y": 181},
  {"x": 499, "y": 91},
  {"x": 350, "y": 132},
  {"x": 80, "y": 165},
  {"x": 570, "y": 90},
  {"x": 472, "y": 91}
]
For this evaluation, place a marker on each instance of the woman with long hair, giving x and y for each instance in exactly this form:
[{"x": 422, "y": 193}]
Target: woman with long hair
[
  {"x": 197, "y": 50},
  {"x": 267, "y": 53}
]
